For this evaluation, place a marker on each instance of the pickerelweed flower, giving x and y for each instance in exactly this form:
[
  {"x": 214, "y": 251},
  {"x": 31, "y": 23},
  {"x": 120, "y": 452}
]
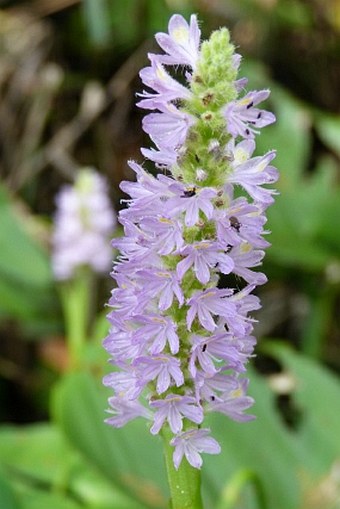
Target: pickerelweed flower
[
  {"x": 181, "y": 324},
  {"x": 84, "y": 221}
]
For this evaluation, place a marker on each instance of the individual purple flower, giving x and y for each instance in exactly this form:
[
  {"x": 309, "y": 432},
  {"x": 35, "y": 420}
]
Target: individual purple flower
[
  {"x": 168, "y": 128},
  {"x": 167, "y": 233},
  {"x": 84, "y": 221},
  {"x": 191, "y": 444},
  {"x": 207, "y": 303},
  {"x": 172, "y": 409},
  {"x": 204, "y": 256},
  {"x": 166, "y": 88},
  {"x": 253, "y": 174},
  {"x": 124, "y": 382},
  {"x": 124, "y": 411},
  {"x": 244, "y": 257},
  {"x": 234, "y": 402},
  {"x": 164, "y": 285},
  {"x": 216, "y": 352},
  {"x": 182, "y": 42},
  {"x": 164, "y": 369},
  {"x": 243, "y": 118},
  {"x": 192, "y": 202},
  {"x": 147, "y": 193},
  {"x": 156, "y": 331}
]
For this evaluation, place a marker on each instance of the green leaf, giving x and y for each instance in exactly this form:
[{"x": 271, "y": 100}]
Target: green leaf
[
  {"x": 294, "y": 232},
  {"x": 308, "y": 215},
  {"x": 37, "y": 452},
  {"x": 292, "y": 129},
  {"x": 98, "y": 493},
  {"x": 317, "y": 395},
  {"x": 21, "y": 258},
  {"x": 37, "y": 456},
  {"x": 8, "y": 500},
  {"x": 25, "y": 274},
  {"x": 328, "y": 128},
  {"x": 263, "y": 446},
  {"x": 78, "y": 405},
  {"x": 35, "y": 499},
  {"x": 97, "y": 20}
]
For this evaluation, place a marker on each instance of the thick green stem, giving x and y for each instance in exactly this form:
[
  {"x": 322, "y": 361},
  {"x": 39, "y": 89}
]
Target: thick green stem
[{"x": 184, "y": 483}]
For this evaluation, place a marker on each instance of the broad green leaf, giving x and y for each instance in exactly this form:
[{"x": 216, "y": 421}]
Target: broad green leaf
[
  {"x": 328, "y": 128},
  {"x": 37, "y": 452},
  {"x": 21, "y": 258},
  {"x": 317, "y": 395},
  {"x": 293, "y": 238},
  {"x": 37, "y": 308},
  {"x": 35, "y": 499},
  {"x": 130, "y": 457},
  {"x": 303, "y": 222},
  {"x": 98, "y": 492},
  {"x": 97, "y": 19},
  {"x": 263, "y": 446},
  {"x": 37, "y": 455},
  {"x": 8, "y": 499},
  {"x": 25, "y": 275}
]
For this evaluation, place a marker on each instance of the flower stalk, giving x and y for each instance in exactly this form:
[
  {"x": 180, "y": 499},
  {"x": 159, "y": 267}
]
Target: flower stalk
[
  {"x": 184, "y": 482},
  {"x": 76, "y": 303},
  {"x": 84, "y": 220}
]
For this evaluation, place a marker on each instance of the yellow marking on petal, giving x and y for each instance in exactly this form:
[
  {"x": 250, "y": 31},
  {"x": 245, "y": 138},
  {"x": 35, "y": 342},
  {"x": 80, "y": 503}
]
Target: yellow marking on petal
[
  {"x": 261, "y": 166},
  {"x": 202, "y": 245},
  {"x": 163, "y": 274},
  {"x": 180, "y": 35},
  {"x": 209, "y": 294},
  {"x": 161, "y": 74},
  {"x": 244, "y": 102},
  {"x": 161, "y": 358},
  {"x": 189, "y": 434},
  {"x": 241, "y": 155},
  {"x": 156, "y": 319},
  {"x": 174, "y": 398},
  {"x": 164, "y": 220},
  {"x": 237, "y": 393},
  {"x": 245, "y": 247}
]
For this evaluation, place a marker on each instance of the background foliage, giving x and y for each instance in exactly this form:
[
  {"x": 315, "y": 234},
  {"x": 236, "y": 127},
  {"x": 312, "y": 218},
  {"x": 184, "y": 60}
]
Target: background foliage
[{"x": 69, "y": 75}]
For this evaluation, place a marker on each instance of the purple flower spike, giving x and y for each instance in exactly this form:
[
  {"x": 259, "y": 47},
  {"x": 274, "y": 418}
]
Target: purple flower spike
[{"x": 182, "y": 307}]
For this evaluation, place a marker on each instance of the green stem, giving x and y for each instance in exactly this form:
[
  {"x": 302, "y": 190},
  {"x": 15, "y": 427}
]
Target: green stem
[
  {"x": 76, "y": 297},
  {"x": 184, "y": 483},
  {"x": 232, "y": 491}
]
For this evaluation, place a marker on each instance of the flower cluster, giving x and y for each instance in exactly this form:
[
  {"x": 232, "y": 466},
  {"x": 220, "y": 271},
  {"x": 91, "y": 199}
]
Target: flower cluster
[
  {"x": 181, "y": 325},
  {"x": 83, "y": 223}
]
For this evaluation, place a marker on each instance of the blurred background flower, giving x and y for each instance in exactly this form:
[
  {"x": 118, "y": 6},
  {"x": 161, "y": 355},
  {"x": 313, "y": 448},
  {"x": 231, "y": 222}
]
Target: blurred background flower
[{"x": 84, "y": 222}]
